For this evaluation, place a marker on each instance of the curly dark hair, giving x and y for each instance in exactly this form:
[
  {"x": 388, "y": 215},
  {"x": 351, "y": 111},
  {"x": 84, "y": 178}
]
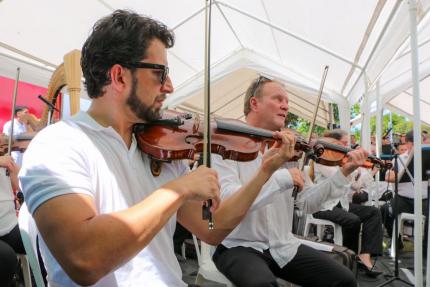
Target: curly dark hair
[{"x": 120, "y": 38}]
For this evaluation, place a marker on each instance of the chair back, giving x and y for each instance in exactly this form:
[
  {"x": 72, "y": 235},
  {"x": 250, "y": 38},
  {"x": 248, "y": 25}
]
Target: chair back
[{"x": 28, "y": 230}]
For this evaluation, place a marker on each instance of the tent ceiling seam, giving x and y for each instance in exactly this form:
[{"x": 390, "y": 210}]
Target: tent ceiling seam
[
  {"x": 403, "y": 47},
  {"x": 188, "y": 18},
  {"x": 229, "y": 25},
  {"x": 288, "y": 33},
  {"x": 27, "y": 55},
  {"x": 182, "y": 61},
  {"x": 408, "y": 51},
  {"x": 421, "y": 100},
  {"x": 49, "y": 69},
  {"x": 384, "y": 29},
  {"x": 363, "y": 44},
  {"x": 106, "y": 5},
  {"x": 229, "y": 102},
  {"x": 273, "y": 32},
  {"x": 200, "y": 73},
  {"x": 323, "y": 108}
]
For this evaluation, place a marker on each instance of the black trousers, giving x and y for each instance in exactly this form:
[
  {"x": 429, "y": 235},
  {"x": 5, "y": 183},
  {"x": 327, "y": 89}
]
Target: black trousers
[
  {"x": 248, "y": 267},
  {"x": 369, "y": 216},
  {"x": 13, "y": 239},
  {"x": 8, "y": 264}
]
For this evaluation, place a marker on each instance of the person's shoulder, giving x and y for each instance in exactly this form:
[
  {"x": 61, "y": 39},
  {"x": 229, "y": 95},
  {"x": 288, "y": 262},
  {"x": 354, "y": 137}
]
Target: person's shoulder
[
  {"x": 61, "y": 133},
  {"x": 6, "y": 126}
]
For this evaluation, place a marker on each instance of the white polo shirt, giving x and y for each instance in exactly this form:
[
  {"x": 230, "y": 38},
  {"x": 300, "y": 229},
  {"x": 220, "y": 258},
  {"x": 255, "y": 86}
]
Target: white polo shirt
[{"x": 80, "y": 156}]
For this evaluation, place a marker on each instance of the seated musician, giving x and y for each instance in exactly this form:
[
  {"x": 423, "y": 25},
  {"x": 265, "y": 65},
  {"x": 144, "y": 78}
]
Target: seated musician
[
  {"x": 262, "y": 247},
  {"x": 23, "y": 122},
  {"x": 104, "y": 218},
  {"x": 405, "y": 197},
  {"x": 350, "y": 215}
]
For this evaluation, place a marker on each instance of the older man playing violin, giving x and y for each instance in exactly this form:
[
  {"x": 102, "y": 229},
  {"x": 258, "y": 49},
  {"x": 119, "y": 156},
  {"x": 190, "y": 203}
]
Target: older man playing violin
[{"x": 262, "y": 246}]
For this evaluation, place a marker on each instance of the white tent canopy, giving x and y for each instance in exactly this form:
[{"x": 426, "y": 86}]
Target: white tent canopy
[
  {"x": 363, "y": 42},
  {"x": 289, "y": 40},
  {"x": 395, "y": 83}
]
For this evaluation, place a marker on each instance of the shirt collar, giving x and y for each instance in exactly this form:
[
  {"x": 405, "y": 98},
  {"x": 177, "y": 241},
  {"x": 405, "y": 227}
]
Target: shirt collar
[{"x": 84, "y": 119}]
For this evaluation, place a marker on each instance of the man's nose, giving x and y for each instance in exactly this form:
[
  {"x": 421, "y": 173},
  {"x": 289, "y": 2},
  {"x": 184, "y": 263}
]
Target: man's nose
[
  {"x": 284, "y": 106},
  {"x": 167, "y": 88}
]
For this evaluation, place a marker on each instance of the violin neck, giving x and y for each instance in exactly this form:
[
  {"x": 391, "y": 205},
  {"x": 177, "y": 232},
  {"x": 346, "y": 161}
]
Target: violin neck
[
  {"x": 240, "y": 127},
  {"x": 334, "y": 147}
]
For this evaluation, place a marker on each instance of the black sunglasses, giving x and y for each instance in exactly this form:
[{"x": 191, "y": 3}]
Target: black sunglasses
[
  {"x": 141, "y": 65},
  {"x": 261, "y": 80}
]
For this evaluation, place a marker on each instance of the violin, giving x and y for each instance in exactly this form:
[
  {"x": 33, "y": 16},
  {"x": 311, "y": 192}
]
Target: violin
[
  {"x": 19, "y": 142},
  {"x": 180, "y": 136},
  {"x": 336, "y": 154}
]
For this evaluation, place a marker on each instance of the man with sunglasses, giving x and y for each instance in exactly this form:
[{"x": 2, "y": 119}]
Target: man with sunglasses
[
  {"x": 105, "y": 219},
  {"x": 262, "y": 247}
]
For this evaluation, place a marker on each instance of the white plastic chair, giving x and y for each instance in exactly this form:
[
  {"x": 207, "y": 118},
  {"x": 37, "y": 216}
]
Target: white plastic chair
[
  {"x": 207, "y": 269},
  {"x": 29, "y": 232},
  {"x": 25, "y": 269},
  {"x": 402, "y": 217},
  {"x": 320, "y": 223}
]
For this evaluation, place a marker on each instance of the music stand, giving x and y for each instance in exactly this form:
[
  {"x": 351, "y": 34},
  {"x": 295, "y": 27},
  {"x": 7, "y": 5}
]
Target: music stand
[{"x": 404, "y": 178}]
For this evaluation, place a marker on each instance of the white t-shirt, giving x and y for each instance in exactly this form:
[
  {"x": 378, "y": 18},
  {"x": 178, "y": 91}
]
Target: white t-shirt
[
  {"x": 80, "y": 156},
  {"x": 18, "y": 128},
  {"x": 8, "y": 218}
]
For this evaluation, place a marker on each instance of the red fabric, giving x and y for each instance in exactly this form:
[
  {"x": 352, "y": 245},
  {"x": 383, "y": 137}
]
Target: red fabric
[{"x": 26, "y": 96}]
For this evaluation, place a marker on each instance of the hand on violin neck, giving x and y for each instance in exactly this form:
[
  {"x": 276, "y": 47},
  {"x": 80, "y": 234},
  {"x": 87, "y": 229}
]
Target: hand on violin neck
[
  {"x": 297, "y": 177},
  {"x": 355, "y": 159},
  {"x": 199, "y": 185},
  {"x": 281, "y": 152}
]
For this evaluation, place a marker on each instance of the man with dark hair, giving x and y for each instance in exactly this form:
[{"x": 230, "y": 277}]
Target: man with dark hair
[
  {"x": 105, "y": 219},
  {"x": 21, "y": 125},
  {"x": 262, "y": 247}
]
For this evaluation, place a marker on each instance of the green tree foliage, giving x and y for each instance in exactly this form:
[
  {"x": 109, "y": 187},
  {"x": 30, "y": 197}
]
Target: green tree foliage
[
  {"x": 301, "y": 125},
  {"x": 401, "y": 124}
]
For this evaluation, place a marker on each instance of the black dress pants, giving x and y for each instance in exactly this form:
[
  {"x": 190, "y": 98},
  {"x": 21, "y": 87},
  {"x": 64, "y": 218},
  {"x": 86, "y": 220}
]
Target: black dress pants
[
  {"x": 8, "y": 264},
  {"x": 13, "y": 238},
  {"x": 371, "y": 241},
  {"x": 247, "y": 267}
]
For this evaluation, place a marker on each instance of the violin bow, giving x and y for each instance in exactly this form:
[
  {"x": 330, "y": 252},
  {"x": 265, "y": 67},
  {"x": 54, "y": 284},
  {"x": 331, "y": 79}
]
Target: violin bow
[
  {"x": 311, "y": 128},
  {"x": 206, "y": 213},
  {"x": 12, "y": 120}
]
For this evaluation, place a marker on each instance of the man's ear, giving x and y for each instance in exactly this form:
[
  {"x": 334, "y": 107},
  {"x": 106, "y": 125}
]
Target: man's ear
[
  {"x": 119, "y": 77},
  {"x": 253, "y": 102}
]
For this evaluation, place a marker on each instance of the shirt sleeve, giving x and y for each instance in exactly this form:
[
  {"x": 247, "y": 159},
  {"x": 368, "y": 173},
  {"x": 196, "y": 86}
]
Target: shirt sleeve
[
  {"x": 50, "y": 170},
  {"x": 230, "y": 180},
  {"x": 311, "y": 198},
  {"x": 6, "y": 128}
]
